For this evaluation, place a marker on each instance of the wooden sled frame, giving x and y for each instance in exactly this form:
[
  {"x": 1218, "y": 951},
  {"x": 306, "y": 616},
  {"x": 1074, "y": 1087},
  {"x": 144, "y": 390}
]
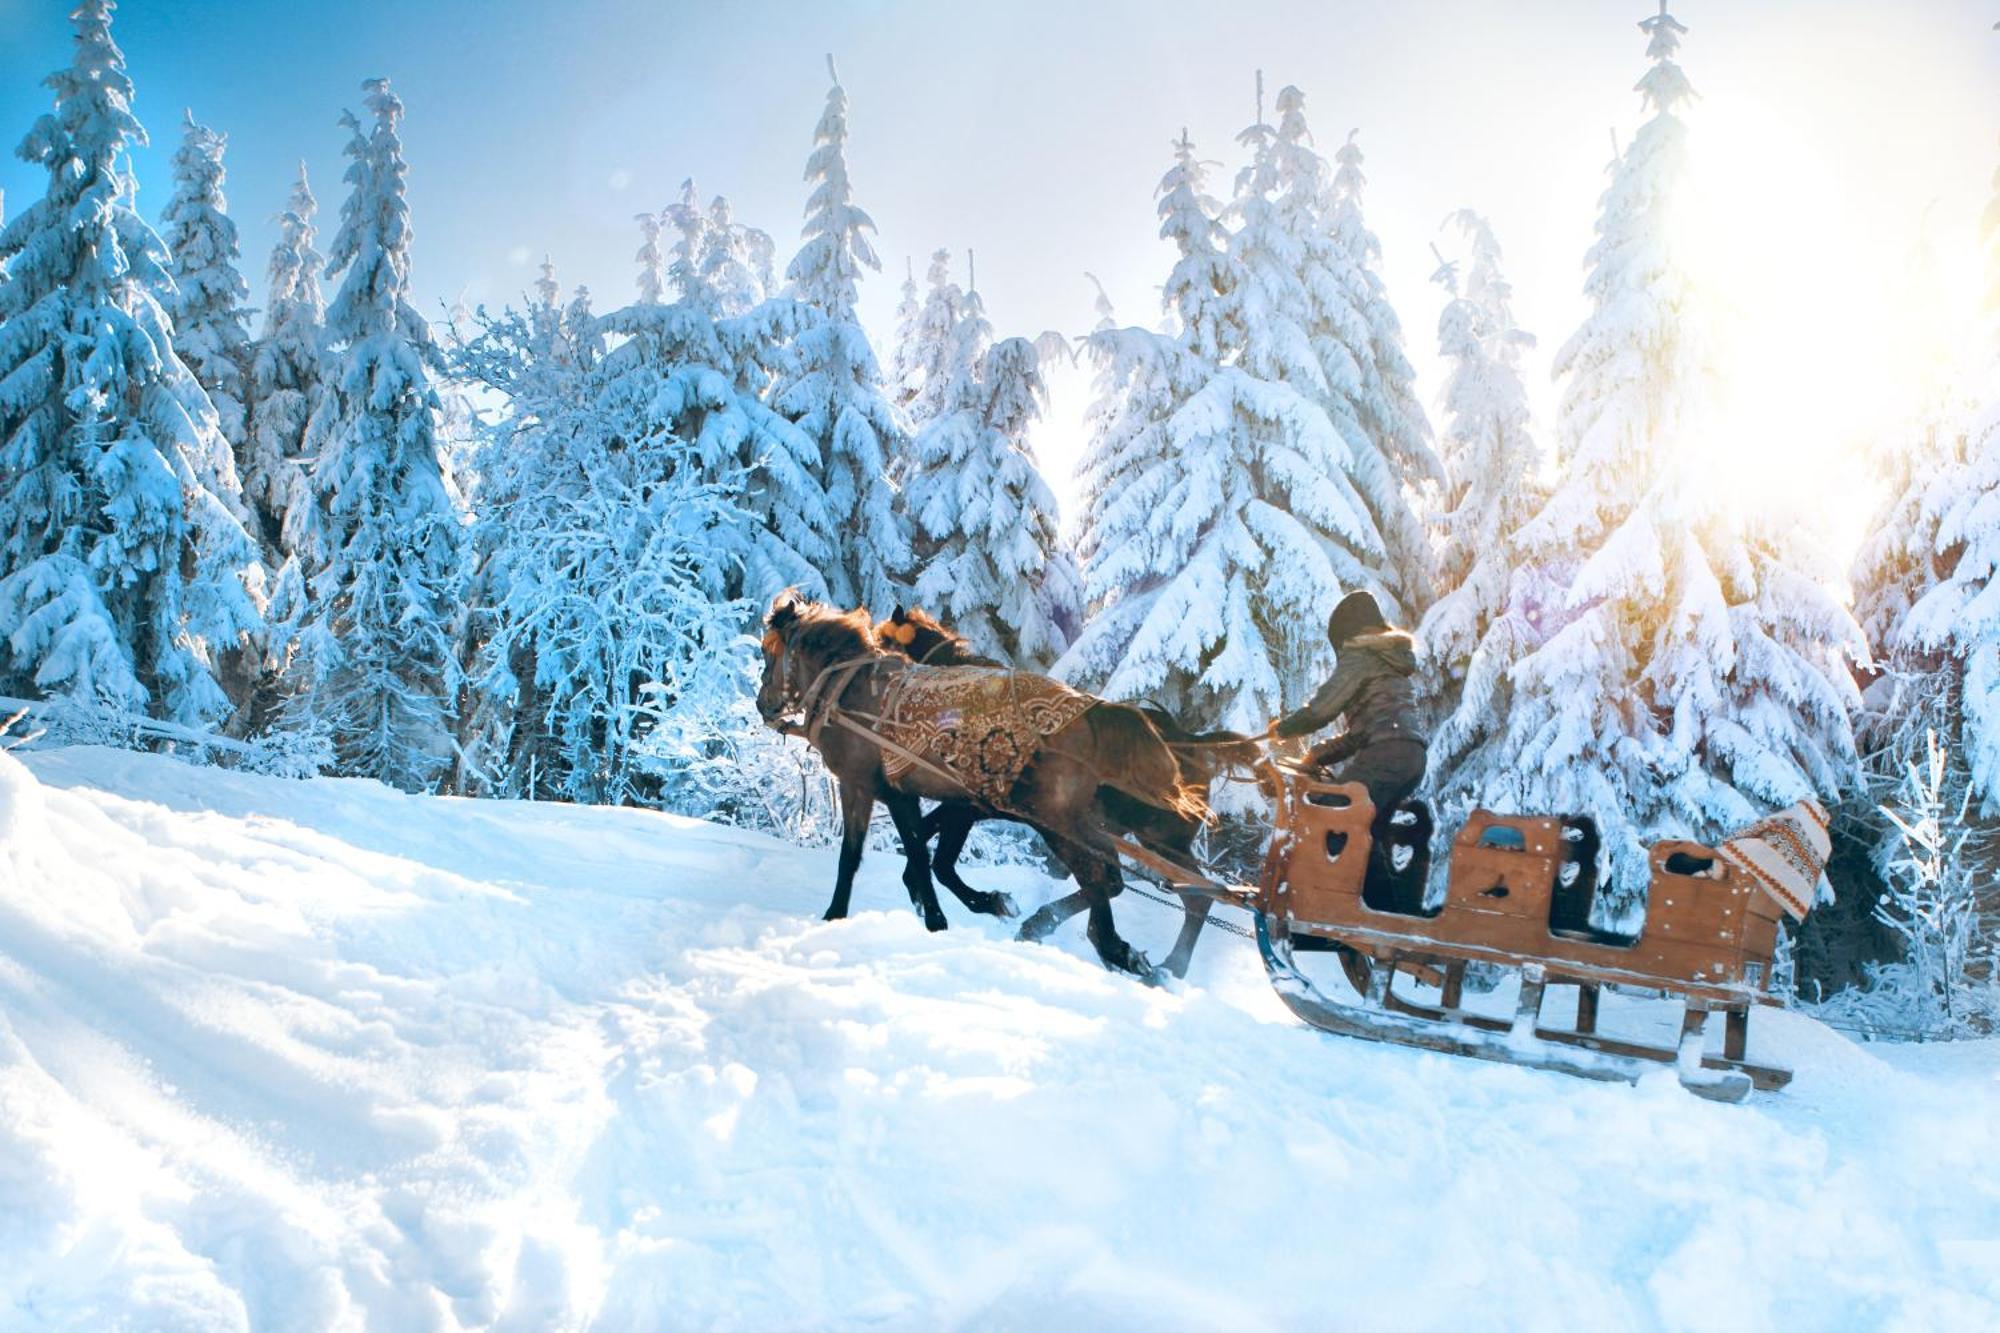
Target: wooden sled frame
[{"x": 1708, "y": 940}]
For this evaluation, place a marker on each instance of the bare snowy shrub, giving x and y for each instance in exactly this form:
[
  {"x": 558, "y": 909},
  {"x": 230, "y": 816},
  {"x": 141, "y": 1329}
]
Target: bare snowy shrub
[
  {"x": 715, "y": 759},
  {"x": 1947, "y": 983}
]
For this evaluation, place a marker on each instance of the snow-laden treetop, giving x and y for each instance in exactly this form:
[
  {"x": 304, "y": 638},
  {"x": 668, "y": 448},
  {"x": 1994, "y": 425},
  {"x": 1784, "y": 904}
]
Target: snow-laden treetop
[{"x": 827, "y": 269}]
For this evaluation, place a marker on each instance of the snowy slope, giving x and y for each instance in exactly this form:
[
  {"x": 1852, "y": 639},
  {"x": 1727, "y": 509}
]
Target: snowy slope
[{"x": 318, "y": 1055}]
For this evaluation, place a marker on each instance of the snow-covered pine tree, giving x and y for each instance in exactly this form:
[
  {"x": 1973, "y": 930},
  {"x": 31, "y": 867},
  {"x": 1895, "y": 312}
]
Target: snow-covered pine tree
[
  {"x": 831, "y": 385},
  {"x": 1290, "y": 334},
  {"x": 285, "y": 372},
  {"x": 1214, "y": 492},
  {"x": 211, "y": 324},
  {"x": 1478, "y": 629},
  {"x": 1901, "y": 558},
  {"x": 903, "y": 379},
  {"x": 993, "y": 562},
  {"x": 678, "y": 370},
  {"x": 1686, "y": 675},
  {"x": 126, "y": 576},
  {"x": 690, "y": 226},
  {"x": 735, "y": 262},
  {"x": 1125, "y": 471},
  {"x": 930, "y": 348},
  {"x": 652, "y": 261},
  {"x": 1385, "y": 396},
  {"x": 380, "y": 534},
  {"x": 1958, "y": 618}
]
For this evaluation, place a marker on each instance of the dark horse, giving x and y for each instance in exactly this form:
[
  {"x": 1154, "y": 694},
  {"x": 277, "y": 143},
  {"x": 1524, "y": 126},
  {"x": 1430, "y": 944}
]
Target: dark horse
[
  {"x": 1107, "y": 770},
  {"x": 1203, "y": 757}
]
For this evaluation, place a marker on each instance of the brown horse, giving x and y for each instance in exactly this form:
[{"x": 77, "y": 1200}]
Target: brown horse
[
  {"x": 1203, "y": 757},
  {"x": 1104, "y": 771}
]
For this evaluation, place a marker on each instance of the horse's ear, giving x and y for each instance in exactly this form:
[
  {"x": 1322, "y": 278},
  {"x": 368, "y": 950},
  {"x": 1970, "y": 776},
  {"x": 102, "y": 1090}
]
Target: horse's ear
[
  {"x": 899, "y": 615},
  {"x": 784, "y": 609}
]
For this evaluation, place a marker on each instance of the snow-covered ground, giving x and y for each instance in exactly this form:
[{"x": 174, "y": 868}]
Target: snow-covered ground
[{"x": 318, "y": 1055}]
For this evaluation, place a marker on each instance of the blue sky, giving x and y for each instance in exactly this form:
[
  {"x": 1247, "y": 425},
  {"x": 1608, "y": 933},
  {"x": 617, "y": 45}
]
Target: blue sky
[{"x": 1035, "y": 131}]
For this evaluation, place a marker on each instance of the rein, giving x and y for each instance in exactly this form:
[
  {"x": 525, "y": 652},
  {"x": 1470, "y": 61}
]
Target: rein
[{"x": 820, "y": 704}]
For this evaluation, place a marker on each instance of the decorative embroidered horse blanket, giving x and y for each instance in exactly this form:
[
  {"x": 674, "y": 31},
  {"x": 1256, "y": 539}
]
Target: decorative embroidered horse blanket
[
  {"x": 1784, "y": 855},
  {"x": 982, "y": 725}
]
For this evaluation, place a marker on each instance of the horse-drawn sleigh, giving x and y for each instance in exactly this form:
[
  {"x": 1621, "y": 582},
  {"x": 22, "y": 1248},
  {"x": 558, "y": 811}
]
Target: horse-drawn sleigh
[{"x": 903, "y": 711}]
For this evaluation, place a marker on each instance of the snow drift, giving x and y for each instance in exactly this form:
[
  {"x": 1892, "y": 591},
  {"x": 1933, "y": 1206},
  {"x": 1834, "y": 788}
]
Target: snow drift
[{"x": 319, "y": 1055}]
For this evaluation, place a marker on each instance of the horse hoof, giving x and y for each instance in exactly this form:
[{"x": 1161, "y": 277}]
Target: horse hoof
[
  {"x": 1036, "y": 928},
  {"x": 935, "y": 923},
  {"x": 832, "y": 914},
  {"x": 1003, "y": 907},
  {"x": 1144, "y": 971}
]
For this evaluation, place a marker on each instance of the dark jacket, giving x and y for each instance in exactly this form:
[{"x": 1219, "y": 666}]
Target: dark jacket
[{"x": 1371, "y": 686}]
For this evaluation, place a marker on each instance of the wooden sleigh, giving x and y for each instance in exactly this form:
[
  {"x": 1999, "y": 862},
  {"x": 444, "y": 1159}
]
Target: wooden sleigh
[{"x": 1518, "y": 897}]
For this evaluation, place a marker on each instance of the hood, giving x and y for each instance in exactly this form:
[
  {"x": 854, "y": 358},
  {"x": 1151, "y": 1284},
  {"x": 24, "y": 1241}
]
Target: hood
[{"x": 1395, "y": 647}]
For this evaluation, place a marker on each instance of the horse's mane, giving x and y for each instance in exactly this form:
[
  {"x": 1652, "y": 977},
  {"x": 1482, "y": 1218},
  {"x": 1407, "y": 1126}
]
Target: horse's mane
[
  {"x": 816, "y": 629},
  {"x": 953, "y": 648}
]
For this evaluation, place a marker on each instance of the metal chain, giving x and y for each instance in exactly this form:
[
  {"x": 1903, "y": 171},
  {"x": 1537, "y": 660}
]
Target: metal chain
[{"x": 1175, "y": 903}]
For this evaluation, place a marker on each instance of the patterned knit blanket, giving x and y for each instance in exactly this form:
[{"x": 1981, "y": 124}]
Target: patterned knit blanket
[
  {"x": 982, "y": 725},
  {"x": 1784, "y": 855}
]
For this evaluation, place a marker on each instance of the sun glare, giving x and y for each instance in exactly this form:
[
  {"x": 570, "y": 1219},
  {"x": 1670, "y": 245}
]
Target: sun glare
[{"x": 1822, "y": 340}]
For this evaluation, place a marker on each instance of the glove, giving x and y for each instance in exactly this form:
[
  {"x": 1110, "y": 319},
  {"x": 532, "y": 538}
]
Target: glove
[{"x": 1330, "y": 752}]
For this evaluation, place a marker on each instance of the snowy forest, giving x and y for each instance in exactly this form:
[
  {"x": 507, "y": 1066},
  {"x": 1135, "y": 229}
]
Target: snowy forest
[{"x": 522, "y": 552}]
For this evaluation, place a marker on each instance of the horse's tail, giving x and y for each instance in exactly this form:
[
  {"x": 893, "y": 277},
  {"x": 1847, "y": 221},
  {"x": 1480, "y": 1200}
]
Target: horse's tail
[
  {"x": 1202, "y": 755},
  {"x": 1133, "y": 758}
]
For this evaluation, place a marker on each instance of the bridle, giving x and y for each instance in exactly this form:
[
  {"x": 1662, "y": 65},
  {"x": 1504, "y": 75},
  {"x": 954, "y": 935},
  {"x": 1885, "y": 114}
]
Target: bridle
[{"x": 816, "y": 700}]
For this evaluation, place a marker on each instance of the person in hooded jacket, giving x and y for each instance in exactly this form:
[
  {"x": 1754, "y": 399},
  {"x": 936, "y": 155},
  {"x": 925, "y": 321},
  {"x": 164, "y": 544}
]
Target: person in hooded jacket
[{"x": 1381, "y": 747}]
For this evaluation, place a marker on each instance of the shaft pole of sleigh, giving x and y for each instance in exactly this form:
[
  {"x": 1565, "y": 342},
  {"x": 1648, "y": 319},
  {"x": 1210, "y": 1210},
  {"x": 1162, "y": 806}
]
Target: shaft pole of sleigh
[{"x": 1518, "y": 897}]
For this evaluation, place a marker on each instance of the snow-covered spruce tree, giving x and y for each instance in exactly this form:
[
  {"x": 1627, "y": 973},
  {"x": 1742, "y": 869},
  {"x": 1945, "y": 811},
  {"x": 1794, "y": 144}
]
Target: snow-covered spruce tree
[
  {"x": 285, "y": 372},
  {"x": 679, "y": 370},
  {"x": 1316, "y": 317},
  {"x": 379, "y": 533},
  {"x": 652, "y": 260},
  {"x": 903, "y": 379},
  {"x": 211, "y": 324},
  {"x": 1216, "y": 515},
  {"x": 1901, "y": 557},
  {"x": 992, "y": 559},
  {"x": 1478, "y": 629},
  {"x": 1126, "y": 470},
  {"x": 735, "y": 263},
  {"x": 1685, "y": 675},
  {"x": 690, "y": 225},
  {"x": 1957, "y": 619},
  {"x": 1385, "y": 398},
  {"x": 831, "y": 386},
  {"x": 923, "y": 388},
  {"x": 1282, "y": 324},
  {"x": 126, "y": 576}
]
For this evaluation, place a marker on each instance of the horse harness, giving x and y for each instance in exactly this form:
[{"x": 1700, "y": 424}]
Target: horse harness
[{"x": 820, "y": 704}]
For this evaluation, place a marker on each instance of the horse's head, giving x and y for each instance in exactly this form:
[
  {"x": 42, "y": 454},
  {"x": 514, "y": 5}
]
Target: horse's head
[
  {"x": 922, "y": 637},
  {"x": 802, "y": 639}
]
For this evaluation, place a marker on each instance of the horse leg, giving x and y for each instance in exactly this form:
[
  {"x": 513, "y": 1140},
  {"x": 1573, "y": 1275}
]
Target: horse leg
[
  {"x": 856, "y": 805},
  {"x": 908, "y": 814},
  {"x": 1194, "y": 914},
  {"x": 954, "y": 824},
  {"x": 1102, "y": 882},
  {"x": 1044, "y": 920}
]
